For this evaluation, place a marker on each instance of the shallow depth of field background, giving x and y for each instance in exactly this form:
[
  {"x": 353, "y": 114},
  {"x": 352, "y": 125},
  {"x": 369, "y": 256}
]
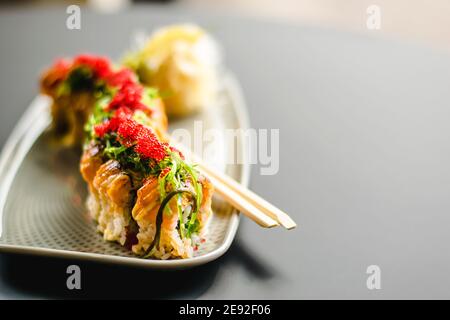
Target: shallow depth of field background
[{"x": 421, "y": 21}]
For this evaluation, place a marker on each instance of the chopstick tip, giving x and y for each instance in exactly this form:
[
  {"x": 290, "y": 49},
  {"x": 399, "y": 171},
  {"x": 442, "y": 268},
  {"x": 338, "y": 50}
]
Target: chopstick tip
[{"x": 289, "y": 225}]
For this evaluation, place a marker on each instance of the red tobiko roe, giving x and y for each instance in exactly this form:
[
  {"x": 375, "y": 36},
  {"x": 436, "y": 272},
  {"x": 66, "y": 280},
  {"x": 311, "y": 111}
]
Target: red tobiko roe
[
  {"x": 100, "y": 66},
  {"x": 120, "y": 115},
  {"x": 129, "y": 95},
  {"x": 148, "y": 145},
  {"x": 102, "y": 129},
  {"x": 113, "y": 124},
  {"x": 119, "y": 78},
  {"x": 130, "y": 133}
]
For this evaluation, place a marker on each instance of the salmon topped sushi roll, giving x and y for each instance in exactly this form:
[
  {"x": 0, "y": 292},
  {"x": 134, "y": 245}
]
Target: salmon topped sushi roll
[
  {"x": 143, "y": 194},
  {"x": 75, "y": 85}
]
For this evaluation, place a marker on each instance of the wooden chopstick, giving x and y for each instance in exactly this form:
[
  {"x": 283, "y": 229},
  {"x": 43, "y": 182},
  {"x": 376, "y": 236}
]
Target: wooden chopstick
[
  {"x": 240, "y": 204},
  {"x": 243, "y": 199},
  {"x": 267, "y": 208}
]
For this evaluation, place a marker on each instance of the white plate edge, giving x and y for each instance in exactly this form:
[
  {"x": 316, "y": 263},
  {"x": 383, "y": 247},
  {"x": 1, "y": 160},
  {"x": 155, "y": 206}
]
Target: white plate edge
[{"x": 17, "y": 142}]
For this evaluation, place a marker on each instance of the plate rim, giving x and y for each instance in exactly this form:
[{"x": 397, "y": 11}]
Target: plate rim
[{"x": 20, "y": 141}]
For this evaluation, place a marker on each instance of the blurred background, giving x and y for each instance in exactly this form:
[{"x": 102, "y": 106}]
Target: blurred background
[{"x": 412, "y": 20}]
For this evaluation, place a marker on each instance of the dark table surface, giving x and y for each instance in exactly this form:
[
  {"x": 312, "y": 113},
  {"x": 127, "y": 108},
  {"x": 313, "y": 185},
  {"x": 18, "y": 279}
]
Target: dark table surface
[{"x": 364, "y": 169}]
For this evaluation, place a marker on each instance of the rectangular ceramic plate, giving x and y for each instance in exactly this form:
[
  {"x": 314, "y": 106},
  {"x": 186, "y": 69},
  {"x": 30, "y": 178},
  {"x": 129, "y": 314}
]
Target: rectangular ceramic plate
[{"x": 42, "y": 194}]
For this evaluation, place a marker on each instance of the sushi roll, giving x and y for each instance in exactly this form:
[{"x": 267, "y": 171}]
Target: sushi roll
[
  {"x": 143, "y": 194},
  {"x": 76, "y": 85}
]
